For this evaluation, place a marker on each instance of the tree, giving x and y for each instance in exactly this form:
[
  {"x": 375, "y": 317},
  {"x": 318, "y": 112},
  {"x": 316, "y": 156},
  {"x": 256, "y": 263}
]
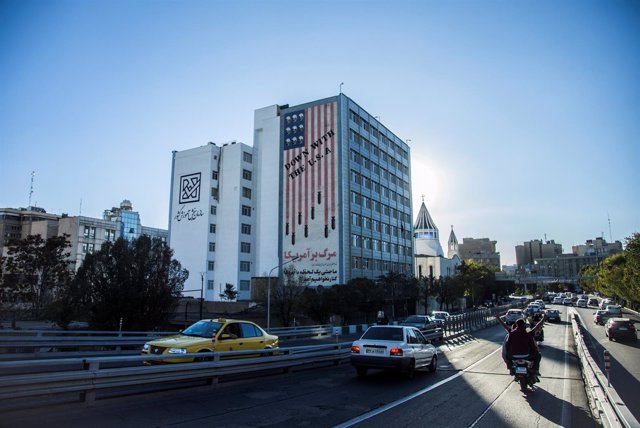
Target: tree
[
  {"x": 35, "y": 271},
  {"x": 476, "y": 277},
  {"x": 137, "y": 281},
  {"x": 632, "y": 270},
  {"x": 316, "y": 304},
  {"x": 287, "y": 295},
  {"x": 229, "y": 293}
]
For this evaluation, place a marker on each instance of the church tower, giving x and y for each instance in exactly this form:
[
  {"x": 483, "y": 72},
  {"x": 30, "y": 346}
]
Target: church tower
[
  {"x": 453, "y": 245},
  {"x": 426, "y": 234}
]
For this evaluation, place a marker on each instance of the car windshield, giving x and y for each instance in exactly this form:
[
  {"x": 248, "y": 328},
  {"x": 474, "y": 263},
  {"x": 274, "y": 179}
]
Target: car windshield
[
  {"x": 440, "y": 315},
  {"x": 415, "y": 318},
  {"x": 203, "y": 329},
  {"x": 552, "y": 312},
  {"x": 383, "y": 333}
]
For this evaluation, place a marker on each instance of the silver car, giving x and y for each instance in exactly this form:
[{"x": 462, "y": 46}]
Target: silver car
[{"x": 393, "y": 347}]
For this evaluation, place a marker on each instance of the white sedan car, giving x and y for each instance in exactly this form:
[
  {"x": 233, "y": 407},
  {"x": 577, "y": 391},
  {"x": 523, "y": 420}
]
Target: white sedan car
[{"x": 392, "y": 347}]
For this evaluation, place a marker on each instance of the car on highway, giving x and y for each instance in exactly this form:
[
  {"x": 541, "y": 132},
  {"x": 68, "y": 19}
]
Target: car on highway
[
  {"x": 620, "y": 328},
  {"x": 513, "y": 315},
  {"x": 210, "y": 335},
  {"x": 557, "y": 300},
  {"x": 581, "y": 303},
  {"x": 424, "y": 323},
  {"x": 393, "y": 347},
  {"x": 567, "y": 301},
  {"x": 605, "y": 303},
  {"x": 593, "y": 302},
  {"x": 599, "y": 316},
  {"x": 440, "y": 317},
  {"x": 540, "y": 303},
  {"x": 553, "y": 315},
  {"x": 614, "y": 310}
]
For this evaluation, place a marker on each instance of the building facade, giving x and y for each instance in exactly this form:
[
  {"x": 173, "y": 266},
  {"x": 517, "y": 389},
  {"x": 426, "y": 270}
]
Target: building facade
[
  {"x": 86, "y": 234},
  {"x": 212, "y": 218},
  {"x": 482, "y": 250},
  {"x": 341, "y": 184},
  {"x": 527, "y": 253}
]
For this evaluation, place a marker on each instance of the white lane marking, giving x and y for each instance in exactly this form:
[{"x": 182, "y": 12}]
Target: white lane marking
[
  {"x": 566, "y": 387},
  {"x": 491, "y": 405},
  {"x": 403, "y": 400}
]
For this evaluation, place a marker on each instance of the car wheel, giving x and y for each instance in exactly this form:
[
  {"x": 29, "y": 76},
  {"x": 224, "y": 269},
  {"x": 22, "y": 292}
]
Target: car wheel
[
  {"x": 362, "y": 371},
  {"x": 201, "y": 359},
  {"x": 433, "y": 366}
]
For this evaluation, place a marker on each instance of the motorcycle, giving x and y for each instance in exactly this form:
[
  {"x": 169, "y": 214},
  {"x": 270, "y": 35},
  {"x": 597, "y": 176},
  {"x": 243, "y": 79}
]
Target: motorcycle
[{"x": 523, "y": 371}]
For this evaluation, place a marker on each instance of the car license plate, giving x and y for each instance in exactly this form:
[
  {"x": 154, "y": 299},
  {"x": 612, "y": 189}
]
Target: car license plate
[
  {"x": 622, "y": 328},
  {"x": 521, "y": 370},
  {"x": 378, "y": 351}
]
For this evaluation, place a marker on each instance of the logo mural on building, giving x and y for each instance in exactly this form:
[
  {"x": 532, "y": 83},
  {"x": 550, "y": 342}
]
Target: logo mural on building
[
  {"x": 310, "y": 180},
  {"x": 189, "y": 193},
  {"x": 190, "y": 188}
]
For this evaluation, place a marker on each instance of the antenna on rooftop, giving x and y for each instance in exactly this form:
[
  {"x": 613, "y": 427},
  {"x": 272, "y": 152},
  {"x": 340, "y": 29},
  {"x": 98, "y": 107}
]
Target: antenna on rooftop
[
  {"x": 33, "y": 173},
  {"x": 609, "y": 220},
  {"x": 80, "y": 213}
]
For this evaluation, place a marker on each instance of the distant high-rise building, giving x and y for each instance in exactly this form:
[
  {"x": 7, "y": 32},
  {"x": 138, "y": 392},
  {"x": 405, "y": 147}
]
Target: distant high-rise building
[
  {"x": 482, "y": 250},
  {"x": 527, "y": 253}
]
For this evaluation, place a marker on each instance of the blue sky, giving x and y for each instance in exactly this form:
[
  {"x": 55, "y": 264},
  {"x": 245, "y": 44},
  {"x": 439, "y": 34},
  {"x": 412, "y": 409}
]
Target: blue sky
[{"x": 523, "y": 116}]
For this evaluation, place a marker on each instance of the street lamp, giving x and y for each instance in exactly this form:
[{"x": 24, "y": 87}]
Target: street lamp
[{"x": 269, "y": 290}]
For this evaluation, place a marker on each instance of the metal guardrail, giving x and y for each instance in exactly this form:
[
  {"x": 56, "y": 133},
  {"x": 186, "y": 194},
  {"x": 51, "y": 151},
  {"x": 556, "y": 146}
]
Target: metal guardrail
[
  {"x": 611, "y": 409},
  {"x": 87, "y": 377}
]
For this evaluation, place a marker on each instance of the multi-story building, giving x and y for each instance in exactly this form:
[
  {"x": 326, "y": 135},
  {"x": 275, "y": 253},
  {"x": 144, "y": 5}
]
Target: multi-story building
[
  {"x": 527, "y": 253},
  {"x": 597, "y": 247},
  {"x": 211, "y": 228},
  {"x": 86, "y": 234},
  {"x": 334, "y": 193},
  {"x": 482, "y": 250}
]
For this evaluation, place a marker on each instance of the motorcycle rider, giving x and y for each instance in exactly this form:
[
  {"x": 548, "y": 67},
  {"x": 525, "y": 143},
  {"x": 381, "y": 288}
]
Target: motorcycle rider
[
  {"x": 537, "y": 357},
  {"x": 520, "y": 342}
]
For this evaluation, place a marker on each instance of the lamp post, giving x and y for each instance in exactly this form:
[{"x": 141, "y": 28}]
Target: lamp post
[
  {"x": 201, "y": 291},
  {"x": 269, "y": 290}
]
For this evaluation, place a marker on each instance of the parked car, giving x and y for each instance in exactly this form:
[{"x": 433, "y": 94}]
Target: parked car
[
  {"x": 513, "y": 315},
  {"x": 553, "y": 315},
  {"x": 440, "y": 317},
  {"x": 592, "y": 302},
  {"x": 620, "y": 328},
  {"x": 210, "y": 335},
  {"x": 581, "y": 303},
  {"x": 424, "y": 323},
  {"x": 392, "y": 347},
  {"x": 599, "y": 316}
]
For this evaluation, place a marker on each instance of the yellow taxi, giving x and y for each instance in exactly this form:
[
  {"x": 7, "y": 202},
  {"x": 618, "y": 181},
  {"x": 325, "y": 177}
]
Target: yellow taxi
[{"x": 211, "y": 335}]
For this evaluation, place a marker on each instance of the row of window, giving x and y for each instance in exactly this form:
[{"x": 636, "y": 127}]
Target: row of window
[
  {"x": 366, "y": 163},
  {"x": 245, "y": 285},
  {"x": 246, "y": 193},
  {"x": 246, "y": 174},
  {"x": 383, "y": 140},
  {"x": 245, "y": 229},
  {"x": 368, "y": 223},
  {"x": 246, "y": 210},
  {"x": 359, "y": 241},
  {"x": 244, "y": 266},
  {"x": 379, "y": 207},
  {"x": 370, "y": 147},
  {"x": 90, "y": 232},
  {"x": 379, "y": 265},
  {"x": 378, "y": 188}
]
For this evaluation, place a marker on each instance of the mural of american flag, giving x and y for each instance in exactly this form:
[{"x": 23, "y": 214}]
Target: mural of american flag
[{"x": 310, "y": 173}]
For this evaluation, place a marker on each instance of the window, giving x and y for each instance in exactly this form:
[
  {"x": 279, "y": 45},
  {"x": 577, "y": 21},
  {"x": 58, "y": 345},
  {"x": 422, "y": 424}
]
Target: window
[
  {"x": 211, "y": 265},
  {"x": 245, "y": 285},
  {"x": 245, "y": 267},
  {"x": 245, "y": 247},
  {"x": 213, "y": 210},
  {"x": 110, "y": 235},
  {"x": 212, "y": 228},
  {"x": 247, "y": 157},
  {"x": 246, "y": 210},
  {"x": 245, "y": 229},
  {"x": 212, "y": 246},
  {"x": 249, "y": 330},
  {"x": 87, "y": 248},
  {"x": 209, "y": 285},
  {"x": 246, "y": 192},
  {"x": 214, "y": 175},
  {"x": 246, "y": 174},
  {"x": 89, "y": 232},
  {"x": 214, "y": 193}
]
